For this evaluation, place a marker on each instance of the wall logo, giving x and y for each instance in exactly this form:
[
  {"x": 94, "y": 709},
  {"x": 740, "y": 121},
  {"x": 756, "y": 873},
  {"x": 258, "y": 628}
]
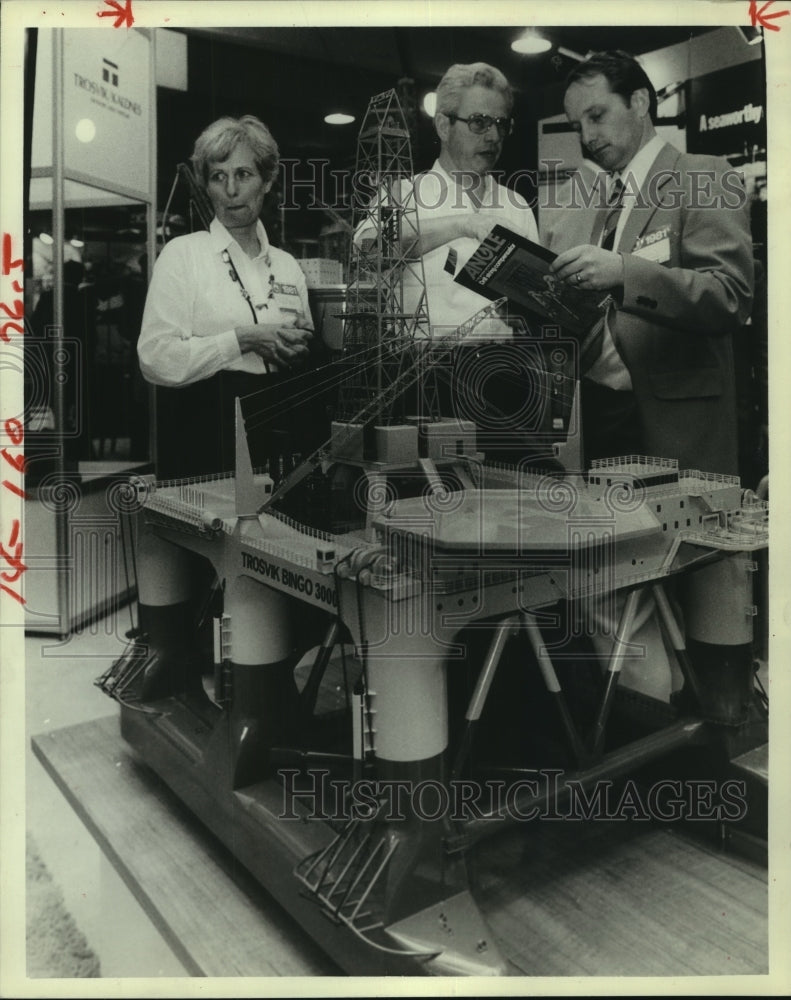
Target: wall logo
[
  {"x": 748, "y": 115},
  {"x": 107, "y": 93},
  {"x": 109, "y": 72}
]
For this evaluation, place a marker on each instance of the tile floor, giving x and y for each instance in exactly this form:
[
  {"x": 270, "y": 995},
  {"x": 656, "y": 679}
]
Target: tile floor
[{"x": 59, "y": 692}]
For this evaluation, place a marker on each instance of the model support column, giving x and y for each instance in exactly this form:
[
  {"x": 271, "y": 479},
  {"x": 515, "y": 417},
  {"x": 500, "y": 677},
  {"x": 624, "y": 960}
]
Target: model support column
[
  {"x": 408, "y": 699},
  {"x": 408, "y": 712},
  {"x": 427, "y": 902},
  {"x": 263, "y": 693},
  {"x": 719, "y": 627},
  {"x": 164, "y": 591}
]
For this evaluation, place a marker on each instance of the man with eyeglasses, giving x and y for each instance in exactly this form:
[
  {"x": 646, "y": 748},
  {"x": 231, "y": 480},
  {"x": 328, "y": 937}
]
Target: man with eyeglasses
[{"x": 458, "y": 201}]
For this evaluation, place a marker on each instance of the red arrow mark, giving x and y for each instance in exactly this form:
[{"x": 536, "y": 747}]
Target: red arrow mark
[
  {"x": 763, "y": 19},
  {"x": 122, "y": 15}
]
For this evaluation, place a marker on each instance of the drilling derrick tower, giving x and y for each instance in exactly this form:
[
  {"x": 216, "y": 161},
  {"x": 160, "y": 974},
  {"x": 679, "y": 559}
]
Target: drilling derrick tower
[{"x": 382, "y": 337}]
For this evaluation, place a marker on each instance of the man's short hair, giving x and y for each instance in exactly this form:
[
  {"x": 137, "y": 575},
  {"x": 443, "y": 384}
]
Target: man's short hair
[
  {"x": 461, "y": 75},
  {"x": 622, "y": 71},
  {"x": 218, "y": 141}
]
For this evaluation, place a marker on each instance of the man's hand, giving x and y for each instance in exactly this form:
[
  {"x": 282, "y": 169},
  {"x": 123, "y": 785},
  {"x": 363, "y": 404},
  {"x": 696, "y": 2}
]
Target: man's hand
[
  {"x": 589, "y": 267},
  {"x": 284, "y": 343},
  {"x": 439, "y": 231},
  {"x": 478, "y": 225}
]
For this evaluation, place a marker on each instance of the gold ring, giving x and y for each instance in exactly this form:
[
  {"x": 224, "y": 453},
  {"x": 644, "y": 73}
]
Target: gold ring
[{"x": 578, "y": 277}]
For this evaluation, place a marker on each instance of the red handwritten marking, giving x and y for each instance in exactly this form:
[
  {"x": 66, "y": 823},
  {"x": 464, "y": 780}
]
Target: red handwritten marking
[
  {"x": 13, "y": 593},
  {"x": 19, "y": 309},
  {"x": 14, "y": 430},
  {"x": 16, "y": 489},
  {"x": 12, "y": 554},
  {"x": 759, "y": 17},
  {"x": 14, "y": 326},
  {"x": 8, "y": 261},
  {"x": 16, "y": 461},
  {"x": 18, "y": 313},
  {"x": 122, "y": 15},
  {"x": 14, "y": 560}
]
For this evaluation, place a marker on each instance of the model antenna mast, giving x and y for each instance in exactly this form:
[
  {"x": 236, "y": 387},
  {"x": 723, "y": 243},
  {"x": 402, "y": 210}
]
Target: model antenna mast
[
  {"x": 376, "y": 320},
  {"x": 377, "y": 324}
]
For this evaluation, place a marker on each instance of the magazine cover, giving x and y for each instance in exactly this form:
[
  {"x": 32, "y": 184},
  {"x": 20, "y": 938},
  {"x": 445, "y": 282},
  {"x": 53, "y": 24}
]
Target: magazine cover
[{"x": 507, "y": 264}]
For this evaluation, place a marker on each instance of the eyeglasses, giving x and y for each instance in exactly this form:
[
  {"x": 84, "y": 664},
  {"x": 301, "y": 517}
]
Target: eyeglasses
[{"x": 482, "y": 123}]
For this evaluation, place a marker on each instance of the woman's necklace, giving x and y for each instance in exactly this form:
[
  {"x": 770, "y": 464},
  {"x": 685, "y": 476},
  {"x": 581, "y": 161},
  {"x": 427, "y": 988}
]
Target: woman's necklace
[{"x": 234, "y": 275}]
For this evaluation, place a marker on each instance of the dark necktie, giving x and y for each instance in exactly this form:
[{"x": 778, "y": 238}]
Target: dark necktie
[
  {"x": 612, "y": 215},
  {"x": 590, "y": 349}
]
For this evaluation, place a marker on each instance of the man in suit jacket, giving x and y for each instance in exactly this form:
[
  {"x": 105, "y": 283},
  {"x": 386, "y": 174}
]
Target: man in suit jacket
[
  {"x": 671, "y": 243},
  {"x": 680, "y": 273}
]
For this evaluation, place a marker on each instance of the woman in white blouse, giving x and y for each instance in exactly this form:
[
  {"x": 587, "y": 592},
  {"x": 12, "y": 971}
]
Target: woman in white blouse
[{"x": 224, "y": 308}]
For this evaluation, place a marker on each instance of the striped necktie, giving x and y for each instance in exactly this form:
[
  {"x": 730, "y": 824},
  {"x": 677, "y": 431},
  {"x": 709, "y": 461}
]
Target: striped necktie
[{"x": 591, "y": 346}]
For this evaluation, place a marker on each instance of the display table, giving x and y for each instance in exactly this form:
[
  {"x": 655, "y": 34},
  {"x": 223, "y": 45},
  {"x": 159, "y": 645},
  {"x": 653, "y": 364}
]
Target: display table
[
  {"x": 563, "y": 898},
  {"x": 214, "y": 917}
]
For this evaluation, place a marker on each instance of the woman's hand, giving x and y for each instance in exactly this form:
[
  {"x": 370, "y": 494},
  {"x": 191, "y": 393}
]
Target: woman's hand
[{"x": 283, "y": 343}]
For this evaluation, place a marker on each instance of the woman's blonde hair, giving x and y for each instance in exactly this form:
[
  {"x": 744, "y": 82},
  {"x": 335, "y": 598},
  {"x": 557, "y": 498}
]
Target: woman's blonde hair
[{"x": 217, "y": 142}]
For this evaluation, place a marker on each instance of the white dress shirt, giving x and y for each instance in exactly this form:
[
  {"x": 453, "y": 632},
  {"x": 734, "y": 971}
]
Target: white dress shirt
[
  {"x": 438, "y": 196},
  {"x": 193, "y": 305},
  {"x": 609, "y": 368}
]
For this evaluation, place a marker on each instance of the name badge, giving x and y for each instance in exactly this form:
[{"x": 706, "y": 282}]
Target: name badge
[
  {"x": 658, "y": 252},
  {"x": 654, "y": 246},
  {"x": 285, "y": 298}
]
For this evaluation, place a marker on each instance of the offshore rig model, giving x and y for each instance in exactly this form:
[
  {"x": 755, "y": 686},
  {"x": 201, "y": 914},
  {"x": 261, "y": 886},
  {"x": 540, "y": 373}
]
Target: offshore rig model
[{"x": 326, "y": 660}]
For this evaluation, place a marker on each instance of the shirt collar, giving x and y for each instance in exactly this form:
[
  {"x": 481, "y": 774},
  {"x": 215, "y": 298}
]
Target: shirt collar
[
  {"x": 636, "y": 170},
  {"x": 222, "y": 240},
  {"x": 449, "y": 179}
]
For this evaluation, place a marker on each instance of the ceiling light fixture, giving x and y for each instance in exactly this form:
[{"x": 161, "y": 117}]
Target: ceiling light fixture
[
  {"x": 753, "y": 36},
  {"x": 430, "y": 103},
  {"x": 571, "y": 54},
  {"x": 338, "y": 118},
  {"x": 530, "y": 43}
]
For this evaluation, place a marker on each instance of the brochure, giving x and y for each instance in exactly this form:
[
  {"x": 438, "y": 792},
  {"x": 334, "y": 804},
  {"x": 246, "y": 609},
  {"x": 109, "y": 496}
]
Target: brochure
[{"x": 511, "y": 266}]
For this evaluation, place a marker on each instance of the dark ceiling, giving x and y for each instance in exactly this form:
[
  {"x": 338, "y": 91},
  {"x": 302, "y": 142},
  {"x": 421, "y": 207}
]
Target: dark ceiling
[
  {"x": 308, "y": 72},
  {"x": 425, "y": 53},
  {"x": 292, "y": 77}
]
